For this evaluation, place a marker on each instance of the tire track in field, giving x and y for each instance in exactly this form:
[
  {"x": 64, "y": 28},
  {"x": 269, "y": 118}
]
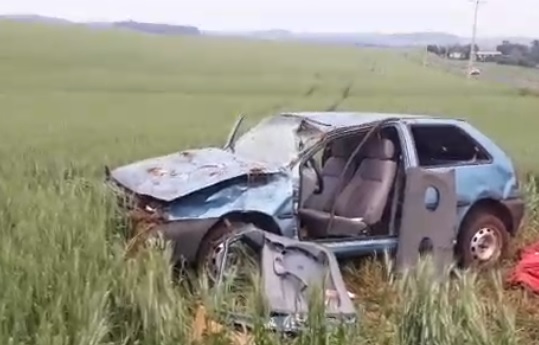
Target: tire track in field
[
  {"x": 315, "y": 86},
  {"x": 345, "y": 94},
  {"x": 308, "y": 93}
]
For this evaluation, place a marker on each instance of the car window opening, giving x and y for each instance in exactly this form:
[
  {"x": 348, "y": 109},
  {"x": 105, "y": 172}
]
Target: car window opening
[{"x": 446, "y": 144}]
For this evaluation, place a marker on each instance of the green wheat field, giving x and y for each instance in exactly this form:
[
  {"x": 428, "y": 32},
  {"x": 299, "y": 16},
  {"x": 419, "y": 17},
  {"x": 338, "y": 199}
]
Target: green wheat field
[{"x": 73, "y": 100}]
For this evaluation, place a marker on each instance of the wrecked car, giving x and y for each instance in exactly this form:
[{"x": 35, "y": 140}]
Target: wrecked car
[{"x": 336, "y": 178}]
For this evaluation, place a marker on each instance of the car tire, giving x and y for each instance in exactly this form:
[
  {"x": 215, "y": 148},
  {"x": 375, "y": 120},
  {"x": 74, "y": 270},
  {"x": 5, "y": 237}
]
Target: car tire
[
  {"x": 215, "y": 236},
  {"x": 483, "y": 240}
]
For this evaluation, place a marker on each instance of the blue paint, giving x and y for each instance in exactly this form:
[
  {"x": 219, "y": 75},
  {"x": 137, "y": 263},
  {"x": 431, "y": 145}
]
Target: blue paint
[
  {"x": 212, "y": 182},
  {"x": 346, "y": 249},
  {"x": 273, "y": 197},
  {"x": 175, "y": 175},
  {"x": 495, "y": 180}
]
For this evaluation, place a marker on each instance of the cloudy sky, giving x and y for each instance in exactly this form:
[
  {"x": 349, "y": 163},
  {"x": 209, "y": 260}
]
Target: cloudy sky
[{"x": 496, "y": 17}]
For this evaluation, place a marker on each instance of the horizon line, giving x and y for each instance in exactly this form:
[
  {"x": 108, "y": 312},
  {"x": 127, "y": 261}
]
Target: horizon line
[{"x": 223, "y": 30}]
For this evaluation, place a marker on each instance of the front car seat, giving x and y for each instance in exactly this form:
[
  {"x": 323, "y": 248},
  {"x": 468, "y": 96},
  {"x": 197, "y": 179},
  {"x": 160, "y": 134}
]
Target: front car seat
[
  {"x": 362, "y": 202},
  {"x": 333, "y": 167}
]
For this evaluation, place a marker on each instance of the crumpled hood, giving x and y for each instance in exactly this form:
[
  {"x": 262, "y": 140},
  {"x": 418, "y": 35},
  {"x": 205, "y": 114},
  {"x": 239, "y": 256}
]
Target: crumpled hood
[{"x": 176, "y": 175}]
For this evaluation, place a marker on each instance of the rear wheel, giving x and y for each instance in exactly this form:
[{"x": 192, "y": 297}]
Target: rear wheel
[{"x": 483, "y": 240}]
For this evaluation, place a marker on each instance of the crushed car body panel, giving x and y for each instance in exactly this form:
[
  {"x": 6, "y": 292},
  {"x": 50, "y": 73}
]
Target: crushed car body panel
[
  {"x": 236, "y": 195},
  {"x": 289, "y": 271},
  {"x": 271, "y": 195},
  {"x": 175, "y": 175}
]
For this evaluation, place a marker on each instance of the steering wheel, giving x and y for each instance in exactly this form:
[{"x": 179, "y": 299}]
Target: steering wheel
[{"x": 319, "y": 179}]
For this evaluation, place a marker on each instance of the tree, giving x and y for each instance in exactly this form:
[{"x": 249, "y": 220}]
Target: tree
[
  {"x": 519, "y": 54},
  {"x": 442, "y": 50},
  {"x": 508, "y": 48},
  {"x": 467, "y": 50},
  {"x": 431, "y": 48}
]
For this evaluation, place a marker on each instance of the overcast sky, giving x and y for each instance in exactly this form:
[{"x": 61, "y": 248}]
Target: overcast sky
[{"x": 496, "y": 17}]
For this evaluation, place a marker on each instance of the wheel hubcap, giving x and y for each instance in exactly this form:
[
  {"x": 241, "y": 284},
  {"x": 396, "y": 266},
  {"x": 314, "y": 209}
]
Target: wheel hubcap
[{"x": 485, "y": 245}]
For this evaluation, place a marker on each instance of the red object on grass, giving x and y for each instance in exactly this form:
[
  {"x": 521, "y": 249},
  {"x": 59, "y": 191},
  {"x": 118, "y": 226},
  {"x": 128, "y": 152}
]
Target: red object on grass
[{"x": 526, "y": 272}]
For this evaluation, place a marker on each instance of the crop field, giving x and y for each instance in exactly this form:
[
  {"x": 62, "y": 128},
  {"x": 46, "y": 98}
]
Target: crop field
[{"x": 73, "y": 100}]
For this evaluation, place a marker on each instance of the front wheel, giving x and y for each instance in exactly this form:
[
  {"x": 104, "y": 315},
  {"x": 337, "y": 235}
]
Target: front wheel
[
  {"x": 483, "y": 240},
  {"x": 211, "y": 251}
]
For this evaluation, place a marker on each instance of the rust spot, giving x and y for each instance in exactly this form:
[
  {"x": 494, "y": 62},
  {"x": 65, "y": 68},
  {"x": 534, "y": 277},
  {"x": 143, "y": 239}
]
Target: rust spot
[
  {"x": 256, "y": 174},
  {"x": 156, "y": 171},
  {"x": 256, "y": 171},
  {"x": 187, "y": 154},
  {"x": 215, "y": 169}
]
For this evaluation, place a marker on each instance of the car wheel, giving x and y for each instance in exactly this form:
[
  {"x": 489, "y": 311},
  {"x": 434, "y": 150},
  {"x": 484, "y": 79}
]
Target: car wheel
[
  {"x": 483, "y": 240},
  {"x": 209, "y": 257}
]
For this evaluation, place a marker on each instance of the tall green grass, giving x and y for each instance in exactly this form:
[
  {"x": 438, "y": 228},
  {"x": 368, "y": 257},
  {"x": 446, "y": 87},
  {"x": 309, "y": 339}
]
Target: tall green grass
[{"x": 73, "y": 100}]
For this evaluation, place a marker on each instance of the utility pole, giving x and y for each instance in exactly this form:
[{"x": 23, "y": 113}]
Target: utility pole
[{"x": 474, "y": 37}]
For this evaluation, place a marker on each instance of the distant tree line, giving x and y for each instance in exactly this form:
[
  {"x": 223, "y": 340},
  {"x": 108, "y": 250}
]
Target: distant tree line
[
  {"x": 511, "y": 53},
  {"x": 519, "y": 54},
  {"x": 460, "y": 52}
]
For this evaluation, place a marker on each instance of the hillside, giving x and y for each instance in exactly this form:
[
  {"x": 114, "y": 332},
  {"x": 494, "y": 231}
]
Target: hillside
[
  {"x": 395, "y": 40},
  {"x": 370, "y": 39},
  {"x": 33, "y": 18},
  {"x": 150, "y": 28}
]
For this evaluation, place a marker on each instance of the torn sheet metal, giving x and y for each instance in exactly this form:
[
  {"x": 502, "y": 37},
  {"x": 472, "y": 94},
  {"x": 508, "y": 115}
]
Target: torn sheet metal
[{"x": 290, "y": 271}]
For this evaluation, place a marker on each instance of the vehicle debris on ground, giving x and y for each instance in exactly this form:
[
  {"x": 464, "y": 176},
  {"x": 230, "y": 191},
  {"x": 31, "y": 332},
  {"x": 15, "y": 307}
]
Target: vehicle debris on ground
[{"x": 289, "y": 273}]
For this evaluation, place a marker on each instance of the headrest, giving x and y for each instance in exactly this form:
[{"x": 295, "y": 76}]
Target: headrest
[{"x": 380, "y": 149}]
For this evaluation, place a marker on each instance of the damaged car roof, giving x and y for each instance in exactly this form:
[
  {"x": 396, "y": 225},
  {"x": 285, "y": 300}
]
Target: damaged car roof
[
  {"x": 175, "y": 175},
  {"x": 328, "y": 121}
]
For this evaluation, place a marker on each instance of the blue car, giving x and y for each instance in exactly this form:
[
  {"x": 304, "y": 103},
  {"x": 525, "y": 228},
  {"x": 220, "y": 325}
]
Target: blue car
[{"x": 336, "y": 178}]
